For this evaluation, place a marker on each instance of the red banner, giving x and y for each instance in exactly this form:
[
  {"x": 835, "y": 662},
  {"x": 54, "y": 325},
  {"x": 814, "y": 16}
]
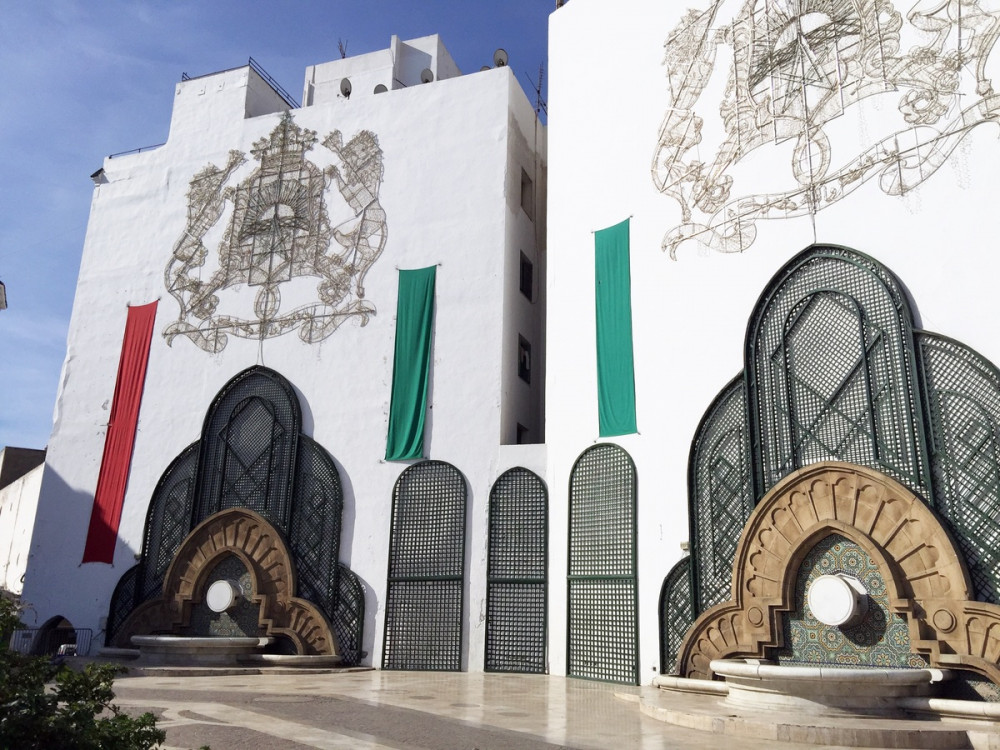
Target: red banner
[{"x": 120, "y": 440}]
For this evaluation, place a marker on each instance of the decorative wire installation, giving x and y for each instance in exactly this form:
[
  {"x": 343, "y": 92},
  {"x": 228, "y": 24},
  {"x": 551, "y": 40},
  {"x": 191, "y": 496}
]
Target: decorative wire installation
[
  {"x": 425, "y": 591},
  {"x": 278, "y": 229},
  {"x": 516, "y": 584},
  {"x": 792, "y": 68},
  {"x": 603, "y": 588}
]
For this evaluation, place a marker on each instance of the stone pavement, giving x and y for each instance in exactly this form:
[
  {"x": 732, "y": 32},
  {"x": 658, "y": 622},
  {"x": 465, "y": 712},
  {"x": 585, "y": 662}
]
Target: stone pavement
[{"x": 372, "y": 710}]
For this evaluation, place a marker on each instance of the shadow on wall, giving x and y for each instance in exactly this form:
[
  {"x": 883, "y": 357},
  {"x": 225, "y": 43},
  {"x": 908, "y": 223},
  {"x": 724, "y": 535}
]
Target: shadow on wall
[
  {"x": 57, "y": 586},
  {"x": 347, "y": 522}
]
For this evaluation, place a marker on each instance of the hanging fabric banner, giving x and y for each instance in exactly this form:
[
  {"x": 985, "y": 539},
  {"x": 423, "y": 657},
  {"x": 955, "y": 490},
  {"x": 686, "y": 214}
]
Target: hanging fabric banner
[
  {"x": 411, "y": 365},
  {"x": 615, "y": 368},
  {"x": 120, "y": 439}
]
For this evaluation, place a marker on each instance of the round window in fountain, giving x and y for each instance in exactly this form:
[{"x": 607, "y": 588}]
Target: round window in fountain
[
  {"x": 838, "y": 600},
  {"x": 222, "y": 595}
]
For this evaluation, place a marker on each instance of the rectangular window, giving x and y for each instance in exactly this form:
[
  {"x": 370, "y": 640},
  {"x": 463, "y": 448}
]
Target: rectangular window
[
  {"x": 527, "y": 195},
  {"x": 523, "y": 359},
  {"x": 527, "y": 276}
]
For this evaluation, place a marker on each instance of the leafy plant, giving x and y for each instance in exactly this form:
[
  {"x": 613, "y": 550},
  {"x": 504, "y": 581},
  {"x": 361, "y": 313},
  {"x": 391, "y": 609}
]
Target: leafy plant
[{"x": 50, "y": 706}]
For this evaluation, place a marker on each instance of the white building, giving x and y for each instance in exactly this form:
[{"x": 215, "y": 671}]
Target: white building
[
  {"x": 735, "y": 135},
  {"x": 746, "y": 144},
  {"x": 274, "y": 236}
]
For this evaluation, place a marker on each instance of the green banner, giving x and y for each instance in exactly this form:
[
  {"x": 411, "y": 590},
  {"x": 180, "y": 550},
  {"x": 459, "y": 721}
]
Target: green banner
[
  {"x": 411, "y": 365},
  {"x": 615, "y": 368}
]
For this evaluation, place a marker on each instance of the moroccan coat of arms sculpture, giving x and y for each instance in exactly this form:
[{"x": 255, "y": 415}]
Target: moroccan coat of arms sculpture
[{"x": 278, "y": 233}]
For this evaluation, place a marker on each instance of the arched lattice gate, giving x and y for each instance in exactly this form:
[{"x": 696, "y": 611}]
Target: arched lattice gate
[
  {"x": 603, "y": 621},
  {"x": 426, "y": 582},
  {"x": 516, "y": 586}
]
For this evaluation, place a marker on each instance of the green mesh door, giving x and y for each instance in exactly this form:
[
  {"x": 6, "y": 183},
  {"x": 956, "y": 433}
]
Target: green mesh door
[
  {"x": 426, "y": 583},
  {"x": 516, "y": 587},
  {"x": 603, "y": 589}
]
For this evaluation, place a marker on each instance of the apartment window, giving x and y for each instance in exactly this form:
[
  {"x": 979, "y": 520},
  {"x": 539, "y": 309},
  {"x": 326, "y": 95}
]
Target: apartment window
[
  {"x": 527, "y": 195},
  {"x": 527, "y": 276},
  {"x": 523, "y": 359}
]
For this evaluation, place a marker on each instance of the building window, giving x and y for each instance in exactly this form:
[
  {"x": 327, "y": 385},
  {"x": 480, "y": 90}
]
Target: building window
[
  {"x": 527, "y": 276},
  {"x": 527, "y": 195},
  {"x": 523, "y": 359}
]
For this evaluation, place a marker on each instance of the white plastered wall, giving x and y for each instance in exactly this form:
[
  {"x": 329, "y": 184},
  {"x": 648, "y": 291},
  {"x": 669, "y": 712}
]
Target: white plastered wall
[
  {"x": 18, "y": 503},
  {"x": 445, "y": 158},
  {"x": 608, "y": 97}
]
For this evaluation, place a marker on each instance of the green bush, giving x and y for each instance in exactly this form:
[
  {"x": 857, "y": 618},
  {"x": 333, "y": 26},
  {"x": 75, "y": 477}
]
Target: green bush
[{"x": 50, "y": 706}]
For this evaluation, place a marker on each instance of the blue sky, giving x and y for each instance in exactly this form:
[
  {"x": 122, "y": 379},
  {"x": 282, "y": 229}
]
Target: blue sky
[{"x": 84, "y": 79}]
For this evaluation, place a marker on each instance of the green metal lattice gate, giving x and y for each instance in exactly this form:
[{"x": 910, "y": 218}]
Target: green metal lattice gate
[
  {"x": 425, "y": 590},
  {"x": 516, "y": 585},
  {"x": 603, "y": 620}
]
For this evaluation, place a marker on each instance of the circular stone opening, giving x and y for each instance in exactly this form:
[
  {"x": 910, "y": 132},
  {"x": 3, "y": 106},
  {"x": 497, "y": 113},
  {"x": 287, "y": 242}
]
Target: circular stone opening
[
  {"x": 222, "y": 595},
  {"x": 838, "y": 600}
]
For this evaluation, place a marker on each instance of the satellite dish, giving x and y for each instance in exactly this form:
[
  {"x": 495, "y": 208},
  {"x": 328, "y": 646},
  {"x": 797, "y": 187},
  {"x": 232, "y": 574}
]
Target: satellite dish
[
  {"x": 485, "y": 67},
  {"x": 381, "y": 89},
  {"x": 426, "y": 75},
  {"x": 345, "y": 88},
  {"x": 500, "y": 58}
]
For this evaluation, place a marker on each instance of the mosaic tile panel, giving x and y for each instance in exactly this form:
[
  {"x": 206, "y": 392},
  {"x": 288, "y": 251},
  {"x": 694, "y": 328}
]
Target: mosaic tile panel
[
  {"x": 241, "y": 620},
  {"x": 881, "y": 639}
]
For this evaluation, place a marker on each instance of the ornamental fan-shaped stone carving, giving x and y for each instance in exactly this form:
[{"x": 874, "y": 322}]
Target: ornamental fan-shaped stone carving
[{"x": 926, "y": 577}]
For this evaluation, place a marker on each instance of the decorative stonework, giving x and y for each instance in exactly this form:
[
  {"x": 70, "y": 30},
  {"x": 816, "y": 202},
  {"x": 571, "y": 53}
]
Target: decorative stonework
[
  {"x": 278, "y": 231},
  {"x": 926, "y": 579},
  {"x": 260, "y": 548}
]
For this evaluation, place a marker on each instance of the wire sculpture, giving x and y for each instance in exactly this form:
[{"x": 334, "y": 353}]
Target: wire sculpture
[
  {"x": 796, "y": 65},
  {"x": 278, "y": 230}
]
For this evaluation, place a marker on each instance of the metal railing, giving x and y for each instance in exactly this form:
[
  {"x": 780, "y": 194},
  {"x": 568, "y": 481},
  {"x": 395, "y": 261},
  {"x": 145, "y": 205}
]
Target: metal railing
[
  {"x": 51, "y": 641},
  {"x": 259, "y": 70}
]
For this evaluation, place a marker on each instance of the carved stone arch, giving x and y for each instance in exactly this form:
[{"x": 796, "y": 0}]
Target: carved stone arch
[
  {"x": 246, "y": 535},
  {"x": 925, "y": 574}
]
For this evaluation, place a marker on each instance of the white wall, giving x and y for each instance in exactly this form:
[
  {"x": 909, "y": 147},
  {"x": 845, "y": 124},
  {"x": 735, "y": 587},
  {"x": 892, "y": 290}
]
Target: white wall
[
  {"x": 445, "y": 170},
  {"x": 18, "y": 503},
  {"x": 397, "y": 67},
  {"x": 608, "y": 97}
]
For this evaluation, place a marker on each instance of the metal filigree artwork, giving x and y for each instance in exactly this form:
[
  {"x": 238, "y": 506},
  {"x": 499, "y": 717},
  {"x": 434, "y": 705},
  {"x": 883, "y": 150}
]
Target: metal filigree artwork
[
  {"x": 279, "y": 237},
  {"x": 796, "y": 65}
]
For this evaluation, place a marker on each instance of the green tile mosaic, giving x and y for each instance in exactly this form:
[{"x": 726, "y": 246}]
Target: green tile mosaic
[
  {"x": 881, "y": 639},
  {"x": 239, "y": 621}
]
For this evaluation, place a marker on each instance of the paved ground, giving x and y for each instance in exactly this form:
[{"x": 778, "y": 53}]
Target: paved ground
[{"x": 414, "y": 710}]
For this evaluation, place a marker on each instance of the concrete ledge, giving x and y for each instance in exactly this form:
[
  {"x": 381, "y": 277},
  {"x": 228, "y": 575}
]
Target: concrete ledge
[
  {"x": 823, "y": 690},
  {"x": 685, "y": 685},
  {"x": 290, "y": 660},
  {"x": 713, "y": 715}
]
